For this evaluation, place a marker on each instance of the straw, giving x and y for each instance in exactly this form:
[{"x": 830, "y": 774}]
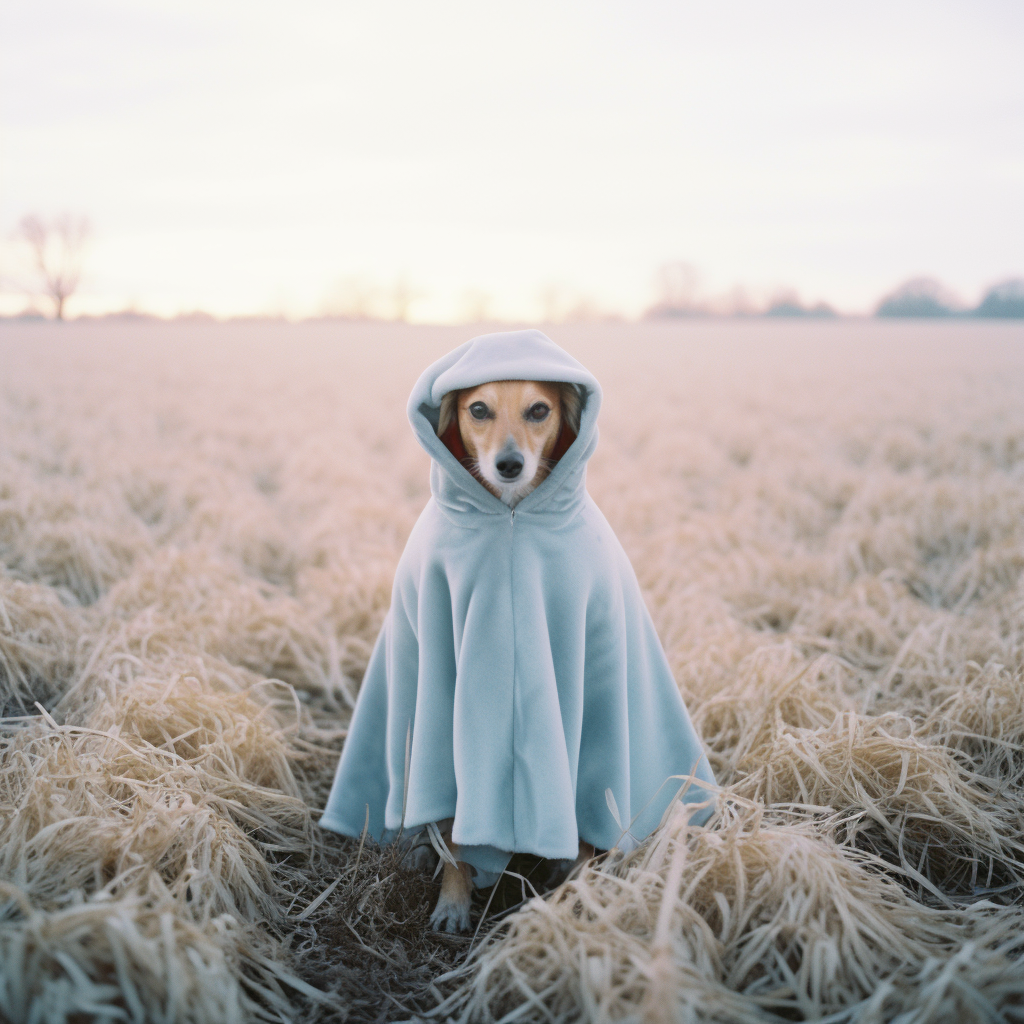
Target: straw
[{"x": 198, "y": 535}]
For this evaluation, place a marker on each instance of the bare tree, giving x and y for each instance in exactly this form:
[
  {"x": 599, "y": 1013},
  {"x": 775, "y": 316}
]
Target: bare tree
[
  {"x": 352, "y": 298},
  {"x": 57, "y": 247},
  {"x": 678, "y": 288},
  {"x": 403, "y": 295},
  {"x": 554, "y": 300},
  {"x": 584, "y": 310}
]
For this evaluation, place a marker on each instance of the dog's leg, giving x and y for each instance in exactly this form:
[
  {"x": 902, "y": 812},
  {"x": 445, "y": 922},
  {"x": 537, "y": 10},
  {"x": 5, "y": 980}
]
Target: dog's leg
[
  {"x": 420, "y": 855},
  {"x": 586, "y": 852},
  {"x": 452, "y": 911},
  {"x": 563, "y": 870}
]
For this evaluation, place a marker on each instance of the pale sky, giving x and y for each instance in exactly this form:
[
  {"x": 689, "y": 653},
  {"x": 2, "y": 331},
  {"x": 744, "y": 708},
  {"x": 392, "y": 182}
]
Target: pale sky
[{"x": 247, "y": 157}]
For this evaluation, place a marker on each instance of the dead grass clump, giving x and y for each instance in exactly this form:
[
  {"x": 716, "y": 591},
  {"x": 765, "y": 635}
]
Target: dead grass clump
[
  {"x": 78, "y": 543},
  {"x": 128, "y": 958},
  {"x": 775, "y": 690},
  {"x": 37, "y": 644},
  {"x": 196, "y": 787},
  {"x": 728, "y": 923},
  {"x": 786, "y": 732},
  {"x": 981, "y": 715},
  {"x": 240, "y": 619},
  {"x": 174, "y": 777},
  {"x": 952, "y": 540},
  {"x": 911, "y": 801}
]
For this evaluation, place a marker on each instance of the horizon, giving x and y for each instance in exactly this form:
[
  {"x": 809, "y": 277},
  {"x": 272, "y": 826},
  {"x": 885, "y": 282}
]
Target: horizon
[{"x": 480, "y": 166}]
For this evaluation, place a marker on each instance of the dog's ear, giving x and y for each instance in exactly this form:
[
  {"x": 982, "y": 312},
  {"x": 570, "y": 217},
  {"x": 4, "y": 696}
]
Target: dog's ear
[
  {"x": 573, "y": 398},
  {"x": 449, "y": 412}
]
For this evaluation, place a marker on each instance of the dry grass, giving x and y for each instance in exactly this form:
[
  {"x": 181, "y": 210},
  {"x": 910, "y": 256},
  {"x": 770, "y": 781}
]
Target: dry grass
[{"x": 198, "y": 528}]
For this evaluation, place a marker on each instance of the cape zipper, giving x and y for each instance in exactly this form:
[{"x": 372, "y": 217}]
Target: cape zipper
[{"x": 512, "y": 562}]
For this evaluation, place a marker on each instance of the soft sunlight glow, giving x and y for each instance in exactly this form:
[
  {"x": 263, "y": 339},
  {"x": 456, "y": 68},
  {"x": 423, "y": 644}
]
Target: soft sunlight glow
[{"x": 457, "y": 161}]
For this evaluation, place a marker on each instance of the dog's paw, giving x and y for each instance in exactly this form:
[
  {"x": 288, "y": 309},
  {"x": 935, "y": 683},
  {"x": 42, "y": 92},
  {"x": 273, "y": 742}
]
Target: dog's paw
[
  {"x": 558, "y": 873},
  {"x": 451, "y": 915},
  {"x": 420, "y": 858}
]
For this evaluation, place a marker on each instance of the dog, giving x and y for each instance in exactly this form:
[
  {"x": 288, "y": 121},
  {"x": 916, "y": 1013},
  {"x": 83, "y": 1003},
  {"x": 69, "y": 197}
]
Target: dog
[
  {"x": 509, "y": 434},
  {"x": 517, "y": 682}
]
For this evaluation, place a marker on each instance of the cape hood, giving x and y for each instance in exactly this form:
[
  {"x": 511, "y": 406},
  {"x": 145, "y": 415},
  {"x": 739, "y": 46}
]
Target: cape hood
[{"x": 518, "y": 676}]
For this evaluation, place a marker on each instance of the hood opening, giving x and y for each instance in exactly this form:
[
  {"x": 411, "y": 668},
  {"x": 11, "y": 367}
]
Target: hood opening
[
  {"x": 566, "y": 436},
  {"x": 452, "y": 440},
  {"x": 452, "y": 436}
]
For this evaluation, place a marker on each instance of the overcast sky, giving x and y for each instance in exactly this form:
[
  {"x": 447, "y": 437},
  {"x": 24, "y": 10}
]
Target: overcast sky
[{"x": 245, "y": 157}]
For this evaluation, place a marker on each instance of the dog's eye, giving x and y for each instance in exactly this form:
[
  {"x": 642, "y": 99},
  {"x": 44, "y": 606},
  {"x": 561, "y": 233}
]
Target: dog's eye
[
  {"x": 538, "y": 412},
  {"x": 478, "y": 410}
]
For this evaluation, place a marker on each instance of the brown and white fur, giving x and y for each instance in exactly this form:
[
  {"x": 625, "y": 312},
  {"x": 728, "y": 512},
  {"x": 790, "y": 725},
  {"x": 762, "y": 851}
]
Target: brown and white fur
[
  {"x": 452, "y": 911},
  {"x": 512, "y": 433}
]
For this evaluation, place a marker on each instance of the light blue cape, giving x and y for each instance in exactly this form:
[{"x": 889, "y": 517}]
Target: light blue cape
[{"x": 517, "y": 677}]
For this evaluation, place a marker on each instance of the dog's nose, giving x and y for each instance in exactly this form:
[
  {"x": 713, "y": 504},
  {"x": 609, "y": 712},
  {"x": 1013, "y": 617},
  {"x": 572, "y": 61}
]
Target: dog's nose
[{"x": 509, "y": 467}]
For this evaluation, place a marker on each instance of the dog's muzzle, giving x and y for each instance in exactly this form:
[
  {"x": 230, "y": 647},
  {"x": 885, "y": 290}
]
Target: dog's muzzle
[{"x": 509, "y": 465}]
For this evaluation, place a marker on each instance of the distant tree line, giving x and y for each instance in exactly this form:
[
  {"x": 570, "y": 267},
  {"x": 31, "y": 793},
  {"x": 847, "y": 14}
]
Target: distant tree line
[
  {"x": 57, "y": 247},
  {"x": 926, "y": 297},
  {"x": 679, "y": 295}
]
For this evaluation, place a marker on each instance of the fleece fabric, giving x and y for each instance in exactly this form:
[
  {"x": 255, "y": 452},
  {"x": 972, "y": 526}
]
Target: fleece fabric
[{"x": 518, "y": 677}]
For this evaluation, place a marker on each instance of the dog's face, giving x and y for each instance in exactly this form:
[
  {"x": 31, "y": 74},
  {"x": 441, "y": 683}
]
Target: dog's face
[{"x": 509, "y": 428}]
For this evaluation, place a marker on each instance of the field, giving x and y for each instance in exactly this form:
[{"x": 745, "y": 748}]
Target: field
[{"x": 199, "y": 524}]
